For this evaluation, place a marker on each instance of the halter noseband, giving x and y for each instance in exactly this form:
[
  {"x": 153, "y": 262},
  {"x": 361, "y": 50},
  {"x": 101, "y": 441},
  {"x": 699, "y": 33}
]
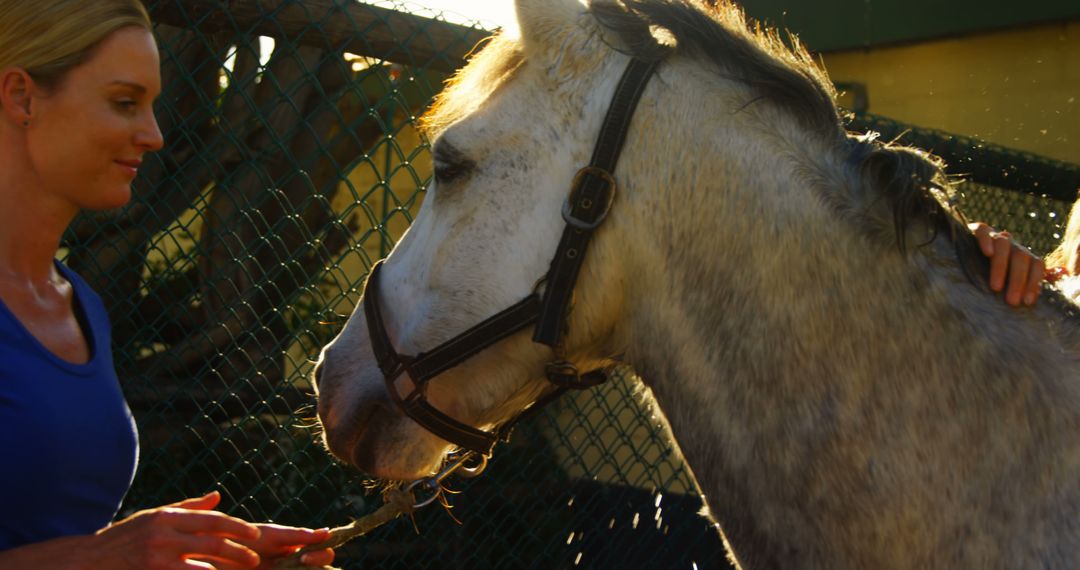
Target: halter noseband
[{"x": 591, "y": 195}]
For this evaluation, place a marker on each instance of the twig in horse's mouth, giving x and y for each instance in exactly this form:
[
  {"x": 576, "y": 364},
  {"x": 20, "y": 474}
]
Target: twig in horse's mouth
[{"x": 398, "y": 502}]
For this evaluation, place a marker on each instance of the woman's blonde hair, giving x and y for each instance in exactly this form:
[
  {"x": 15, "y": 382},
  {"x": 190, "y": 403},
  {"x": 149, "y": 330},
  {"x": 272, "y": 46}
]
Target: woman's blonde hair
[
  {"x": 1070, "y": 242},
  {"x": 48, "y": 38}
]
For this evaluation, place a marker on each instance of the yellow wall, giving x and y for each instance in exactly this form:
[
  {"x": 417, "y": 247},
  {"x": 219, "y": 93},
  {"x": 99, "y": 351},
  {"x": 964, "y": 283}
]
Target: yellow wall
[{"x": 1018, "y": 88}]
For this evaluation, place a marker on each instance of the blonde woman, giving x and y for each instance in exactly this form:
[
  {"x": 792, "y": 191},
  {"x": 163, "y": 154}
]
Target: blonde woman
[{"x": 77, "y": 81}]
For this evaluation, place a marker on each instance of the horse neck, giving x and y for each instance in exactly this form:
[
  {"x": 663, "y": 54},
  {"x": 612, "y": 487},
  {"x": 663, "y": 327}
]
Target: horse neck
[
  {"x": 733, "y": 240},
  {"x": 785, "y": 347}
]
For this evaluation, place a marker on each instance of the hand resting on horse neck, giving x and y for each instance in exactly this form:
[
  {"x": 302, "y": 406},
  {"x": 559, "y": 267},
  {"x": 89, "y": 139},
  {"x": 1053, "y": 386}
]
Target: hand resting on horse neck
[
  {"x": 1014, "y": 271},
  {"x": 1019, "y": 274}
]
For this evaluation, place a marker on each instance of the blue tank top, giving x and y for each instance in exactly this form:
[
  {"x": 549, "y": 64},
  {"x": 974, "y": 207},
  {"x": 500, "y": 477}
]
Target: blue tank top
[{"x": 68, "y": 445}]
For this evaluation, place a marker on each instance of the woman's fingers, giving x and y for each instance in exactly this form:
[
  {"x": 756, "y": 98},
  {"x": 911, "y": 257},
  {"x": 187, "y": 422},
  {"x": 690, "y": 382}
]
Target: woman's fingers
[
  {"x": 999, "y": 262},
  {"x": 214, "y": 550},
  {"x": 176, "y": 538},
  {"x": 316, "y": 558},
  {"x": 203, "y": 503},
  {"x": 1014, "y": 270},
  {"x": 276, "y": 541},
  {"x": 1035, "y": 280},
  {"x": 984, "y": 234},
  {"x": 286, "y": 538},
  {"x": 1019, "y": 264},
  {"x": 195, "y": 515},
  {"x": 189, "y": 564},
  {"x": 207, "y": 537},
  {"x": 210, "y": 522}
]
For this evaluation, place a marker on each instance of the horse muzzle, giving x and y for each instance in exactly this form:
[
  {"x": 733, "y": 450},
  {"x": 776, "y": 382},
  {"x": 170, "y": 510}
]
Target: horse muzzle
[{"x": 362, "y": 427}]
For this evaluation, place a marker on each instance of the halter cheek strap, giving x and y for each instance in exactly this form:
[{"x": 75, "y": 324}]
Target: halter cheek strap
[{"x": 591, "y": 195}]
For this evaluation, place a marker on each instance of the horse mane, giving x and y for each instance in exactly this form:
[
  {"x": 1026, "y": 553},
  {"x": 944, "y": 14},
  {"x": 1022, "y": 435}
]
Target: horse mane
[
  {"x": 746, "y": 52},
  {"x": 913, "y": 183}
]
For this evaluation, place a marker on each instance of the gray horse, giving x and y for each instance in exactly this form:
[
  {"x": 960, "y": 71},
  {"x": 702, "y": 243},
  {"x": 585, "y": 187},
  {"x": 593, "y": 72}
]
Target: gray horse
[{"x": 798, "y": 300}]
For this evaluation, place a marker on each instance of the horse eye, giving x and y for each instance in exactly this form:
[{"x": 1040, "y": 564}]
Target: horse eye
[
  {"x": 448, "y": 172},
  {"x": 449, "y": 163}
]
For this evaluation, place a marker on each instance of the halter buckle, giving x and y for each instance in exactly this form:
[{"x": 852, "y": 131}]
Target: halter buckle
[{"x": 586, "y": 204}]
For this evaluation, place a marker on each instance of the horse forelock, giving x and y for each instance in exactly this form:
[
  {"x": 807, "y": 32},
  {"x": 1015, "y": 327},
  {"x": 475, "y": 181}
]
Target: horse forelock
[{"x": 490, "y": 67}]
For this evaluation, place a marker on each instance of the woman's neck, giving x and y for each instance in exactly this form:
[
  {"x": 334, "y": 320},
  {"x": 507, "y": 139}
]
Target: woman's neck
[{"x": 32, "y": 222}]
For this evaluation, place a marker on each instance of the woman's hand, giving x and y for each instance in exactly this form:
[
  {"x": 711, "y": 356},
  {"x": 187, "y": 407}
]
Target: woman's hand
[
  {"x": 1008, "y": 259},
  {"x": 187, "y": 534},
  {"x": 184, "y": 535},
  {"x": 226, "y": 543},
  {"x": 276, "y": 541}
]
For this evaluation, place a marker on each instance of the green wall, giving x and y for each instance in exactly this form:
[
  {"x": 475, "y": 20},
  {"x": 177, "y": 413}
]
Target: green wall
[{"x": 828, "y": 25}]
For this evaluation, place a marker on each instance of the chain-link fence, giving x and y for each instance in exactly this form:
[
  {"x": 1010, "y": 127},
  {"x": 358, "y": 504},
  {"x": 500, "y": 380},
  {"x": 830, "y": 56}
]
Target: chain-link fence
[
  {"x": 292, "y": 163},
  {"x": 1026, "y": 194}
]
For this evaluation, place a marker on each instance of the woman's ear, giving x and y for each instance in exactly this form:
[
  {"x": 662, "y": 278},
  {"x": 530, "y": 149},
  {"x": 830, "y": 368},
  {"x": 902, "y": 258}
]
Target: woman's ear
[{"x": 16, "y": 89}]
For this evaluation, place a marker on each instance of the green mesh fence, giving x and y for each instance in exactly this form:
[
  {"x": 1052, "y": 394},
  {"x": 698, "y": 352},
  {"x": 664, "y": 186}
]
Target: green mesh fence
[
  {"x": 292, "y": 163},
  {"x": 1026, "y": 194}
]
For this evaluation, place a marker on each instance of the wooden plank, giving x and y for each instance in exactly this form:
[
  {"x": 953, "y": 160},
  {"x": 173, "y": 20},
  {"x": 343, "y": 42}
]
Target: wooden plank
[{"x": 343, "y": 25}]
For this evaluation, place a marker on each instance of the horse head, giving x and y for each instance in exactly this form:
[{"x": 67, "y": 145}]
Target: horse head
[{"x": 508, "y": 135}]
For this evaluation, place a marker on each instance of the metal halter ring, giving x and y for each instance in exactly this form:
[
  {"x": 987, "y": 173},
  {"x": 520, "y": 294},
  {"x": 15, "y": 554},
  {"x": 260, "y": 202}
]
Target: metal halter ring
[
  {"x": 430, "y": 485},
  {"x": 568, "y": 206},
  {"x": 433, "y": 484},
  {"x": 466, "y": 471}
]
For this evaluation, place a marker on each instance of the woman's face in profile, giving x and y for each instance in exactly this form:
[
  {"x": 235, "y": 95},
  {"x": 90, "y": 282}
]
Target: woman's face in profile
[{"x": 88, "y": 137}]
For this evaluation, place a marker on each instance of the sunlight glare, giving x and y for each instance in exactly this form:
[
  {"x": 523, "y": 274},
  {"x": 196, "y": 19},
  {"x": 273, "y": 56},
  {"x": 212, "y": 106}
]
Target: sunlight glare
[{"x": 490, "y": 13}]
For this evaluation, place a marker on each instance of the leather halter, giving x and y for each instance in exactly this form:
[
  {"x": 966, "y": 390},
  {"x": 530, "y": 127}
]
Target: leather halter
[{"x": 591, "y": 195}]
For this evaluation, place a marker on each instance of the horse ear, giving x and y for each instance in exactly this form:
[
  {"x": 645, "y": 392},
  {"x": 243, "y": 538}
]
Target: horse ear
[{"x": 545, "y": 22}]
